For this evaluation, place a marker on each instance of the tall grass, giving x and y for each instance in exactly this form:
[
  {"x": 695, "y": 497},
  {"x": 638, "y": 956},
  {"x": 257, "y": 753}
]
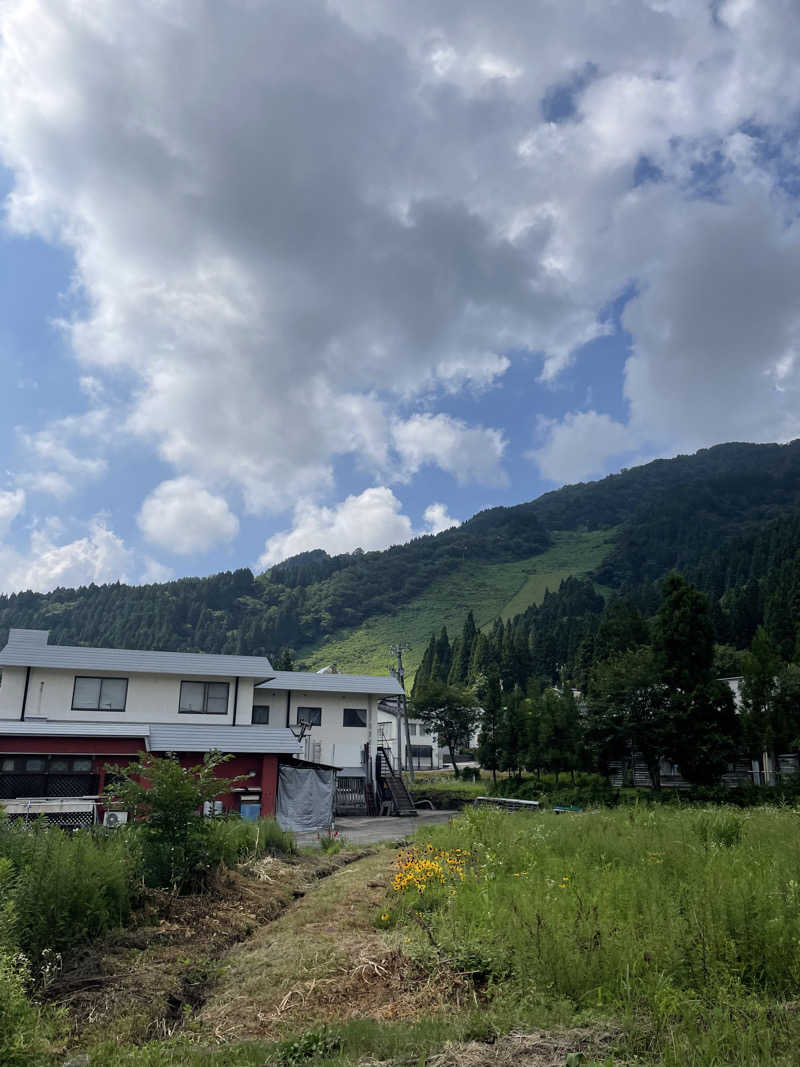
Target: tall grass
[
  {"x": 231, "y": 840},
  {"x": 67, "y": 888},
  {"x": 686, "y": 923}
]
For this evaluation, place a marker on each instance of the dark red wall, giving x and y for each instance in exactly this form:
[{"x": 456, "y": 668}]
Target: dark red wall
[{"x": 261, "y": 770}]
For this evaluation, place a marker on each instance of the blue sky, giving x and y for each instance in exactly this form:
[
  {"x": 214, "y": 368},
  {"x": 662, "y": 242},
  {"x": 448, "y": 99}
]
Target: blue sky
[{"x": 283, "y": 276}]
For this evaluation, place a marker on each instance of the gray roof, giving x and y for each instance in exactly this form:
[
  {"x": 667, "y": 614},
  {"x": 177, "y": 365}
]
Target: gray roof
[
  {"x": 165, "y": 738},
  {"x": 308, "y": 681},
  {"x": 29, "y": 648},
  {"x": 50, "y": 728},
  {"x": 273, "y": 739}
]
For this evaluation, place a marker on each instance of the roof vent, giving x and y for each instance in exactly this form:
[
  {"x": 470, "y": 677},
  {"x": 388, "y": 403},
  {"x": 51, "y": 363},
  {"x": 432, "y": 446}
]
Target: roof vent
[{"x": 35, "y": 638}]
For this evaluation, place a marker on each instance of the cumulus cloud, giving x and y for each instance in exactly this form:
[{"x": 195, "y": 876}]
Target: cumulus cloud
[
  {"x": 579, "y": 445},
  {"x": 12, "y": 504},
  {"x": 286, "y": 218},
  {"x": 59, "y": 463},
  {"x": 183, "y": 517},
  {"x": 99, "y": 556},
  {"x": 469, "y": 453},
  {"x": 437, "y": 519},
  {"x": 371, "y": 520}
]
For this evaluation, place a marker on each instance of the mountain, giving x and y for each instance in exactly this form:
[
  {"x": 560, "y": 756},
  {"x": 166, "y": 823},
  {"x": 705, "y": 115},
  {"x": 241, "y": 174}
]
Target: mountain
[{"x": 726, "y": 516}]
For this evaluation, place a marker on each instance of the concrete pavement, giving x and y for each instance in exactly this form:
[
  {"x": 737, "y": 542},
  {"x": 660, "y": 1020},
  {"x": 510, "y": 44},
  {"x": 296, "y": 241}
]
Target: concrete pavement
[{"x": 369, "y": 829}]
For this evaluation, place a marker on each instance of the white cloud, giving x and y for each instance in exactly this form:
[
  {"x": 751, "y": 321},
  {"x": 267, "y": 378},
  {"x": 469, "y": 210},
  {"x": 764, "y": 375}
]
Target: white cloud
[
  {"x": 371, "y": 520},
  {"x": 58, "y": 469},
  {"x": 155, "y": 572},
  {"x": 351, "y": 203},
  {"x": 579, "y": 445},
  {"x": 12, "y": 504},
  {"x": 438, "y": 520},
  {"x": 100, "y": 556},
  {"x": 183, "y": 517},
  {"x": 470, "y": 454}
]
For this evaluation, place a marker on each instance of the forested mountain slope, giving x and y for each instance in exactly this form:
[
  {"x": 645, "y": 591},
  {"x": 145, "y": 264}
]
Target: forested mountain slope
[{"x": 727, "y": 517}]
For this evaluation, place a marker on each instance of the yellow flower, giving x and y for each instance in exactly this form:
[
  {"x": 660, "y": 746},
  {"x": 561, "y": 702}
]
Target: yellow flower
[{"x": 385, "y": 916}]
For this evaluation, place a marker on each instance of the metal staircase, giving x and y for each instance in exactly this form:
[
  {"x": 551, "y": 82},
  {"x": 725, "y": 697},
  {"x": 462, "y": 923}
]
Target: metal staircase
[{"x": 391, "y": 787}]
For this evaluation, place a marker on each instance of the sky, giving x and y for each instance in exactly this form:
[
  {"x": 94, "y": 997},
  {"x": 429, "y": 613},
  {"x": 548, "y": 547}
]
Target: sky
[{"x": 290, "y": 275}]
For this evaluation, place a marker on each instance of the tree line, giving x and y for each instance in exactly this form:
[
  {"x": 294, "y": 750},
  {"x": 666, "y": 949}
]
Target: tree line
[{"x": 651, "y": 686}]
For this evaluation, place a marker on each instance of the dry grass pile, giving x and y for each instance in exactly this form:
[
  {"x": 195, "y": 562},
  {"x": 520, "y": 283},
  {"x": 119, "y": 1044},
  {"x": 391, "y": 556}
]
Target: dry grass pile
[{"x": 540, "y": 1048}]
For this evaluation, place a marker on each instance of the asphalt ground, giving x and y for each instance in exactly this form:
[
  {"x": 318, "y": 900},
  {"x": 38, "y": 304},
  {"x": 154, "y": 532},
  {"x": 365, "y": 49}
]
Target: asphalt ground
[{"x": 370, "y": 829}]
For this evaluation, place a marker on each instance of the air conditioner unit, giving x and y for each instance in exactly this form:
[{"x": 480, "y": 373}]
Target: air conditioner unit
[{"x": 114, "y": 818}]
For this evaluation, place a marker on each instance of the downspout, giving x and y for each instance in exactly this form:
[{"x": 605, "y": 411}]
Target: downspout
[
  {"x": 25, "y": 693},
  {"x": 235, "y": 698},
  {"x": 288, "y": 707}
]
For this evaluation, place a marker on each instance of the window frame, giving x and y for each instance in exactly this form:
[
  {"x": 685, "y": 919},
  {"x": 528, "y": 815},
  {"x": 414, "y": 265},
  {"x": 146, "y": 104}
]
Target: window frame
[
  {"x": 99, "y": 678},
  {"x": 305, "y": 707},
  {"x": 205, "y": 684},
  {"x": 354, "y": 725}
]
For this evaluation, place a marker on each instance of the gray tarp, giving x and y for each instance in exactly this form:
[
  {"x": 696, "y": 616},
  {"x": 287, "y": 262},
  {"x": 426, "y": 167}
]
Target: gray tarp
[{"x": 305, "y": 798}]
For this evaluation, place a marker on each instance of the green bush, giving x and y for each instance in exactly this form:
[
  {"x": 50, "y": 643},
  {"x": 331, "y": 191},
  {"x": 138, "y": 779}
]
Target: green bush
[{"x": 165, "y": 800}]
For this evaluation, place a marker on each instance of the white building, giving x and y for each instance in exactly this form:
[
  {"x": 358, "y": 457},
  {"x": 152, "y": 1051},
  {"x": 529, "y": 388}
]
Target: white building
[{"x": 65, "y": 710}]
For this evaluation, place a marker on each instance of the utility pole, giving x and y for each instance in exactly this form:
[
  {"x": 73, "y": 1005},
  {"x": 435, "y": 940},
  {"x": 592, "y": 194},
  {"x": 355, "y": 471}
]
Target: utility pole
[{"x": 402, "y": 716}]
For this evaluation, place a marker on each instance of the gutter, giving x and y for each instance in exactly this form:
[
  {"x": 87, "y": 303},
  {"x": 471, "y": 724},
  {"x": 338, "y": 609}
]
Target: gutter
[{"x": 25, "y": 693}]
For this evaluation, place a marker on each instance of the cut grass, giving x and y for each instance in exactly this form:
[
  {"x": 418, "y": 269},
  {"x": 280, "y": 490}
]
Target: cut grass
[
  {"x": 325, "y": 960},
  {"x": 490, "y": 590}
]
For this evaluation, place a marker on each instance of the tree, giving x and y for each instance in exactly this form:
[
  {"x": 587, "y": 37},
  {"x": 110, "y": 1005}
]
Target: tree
[
  {"x": 631, "y": 709},
  {"x": 514, "y": 734},
  {"x": 760, "y": 666},
  {"x": 487, "y": 690},
  {"x": 684, "y": 636},
  {"x": 165, "y": 802},
  {"x": 462, "y": 653},
  {"x": 705, "y": 733},
  {"x": 285, "y": 660},
  {"x": 449, "y": 712},
  {"x": 785, "y": 710}
]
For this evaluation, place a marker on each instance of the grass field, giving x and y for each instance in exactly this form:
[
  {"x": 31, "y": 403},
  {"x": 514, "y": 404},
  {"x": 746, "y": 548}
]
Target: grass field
[
  {"x": 488, "y": 589},
  {"x": 680, "y": 927},
  {"x": 668, "y": 938}
]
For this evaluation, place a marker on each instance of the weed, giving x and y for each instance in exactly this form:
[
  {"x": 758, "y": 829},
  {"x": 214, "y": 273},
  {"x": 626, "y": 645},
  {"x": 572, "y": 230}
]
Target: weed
[{"x": 314, "y": 1045}]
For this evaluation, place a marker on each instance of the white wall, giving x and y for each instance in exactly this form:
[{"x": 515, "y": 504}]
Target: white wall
[
  {"x": 150, "y": 697},
  {"x": 339, "y": 745}
]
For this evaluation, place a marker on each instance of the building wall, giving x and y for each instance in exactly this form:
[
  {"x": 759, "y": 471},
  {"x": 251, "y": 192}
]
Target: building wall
[
  {"x": 331, "y": 742},
  {"x": 259, "y": 772},
  {"x": 150, "y": 697}
]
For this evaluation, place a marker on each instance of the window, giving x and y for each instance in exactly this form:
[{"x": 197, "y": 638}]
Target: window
[
  {"x": 412, "y": 729},
  {"x": 99, "y": 694},
  {"x": 313, "y": 716},
  {"x": 260, "y": 714},
  {"x": 355, "y": 717},
  {"x": 204, "y": 698}
]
